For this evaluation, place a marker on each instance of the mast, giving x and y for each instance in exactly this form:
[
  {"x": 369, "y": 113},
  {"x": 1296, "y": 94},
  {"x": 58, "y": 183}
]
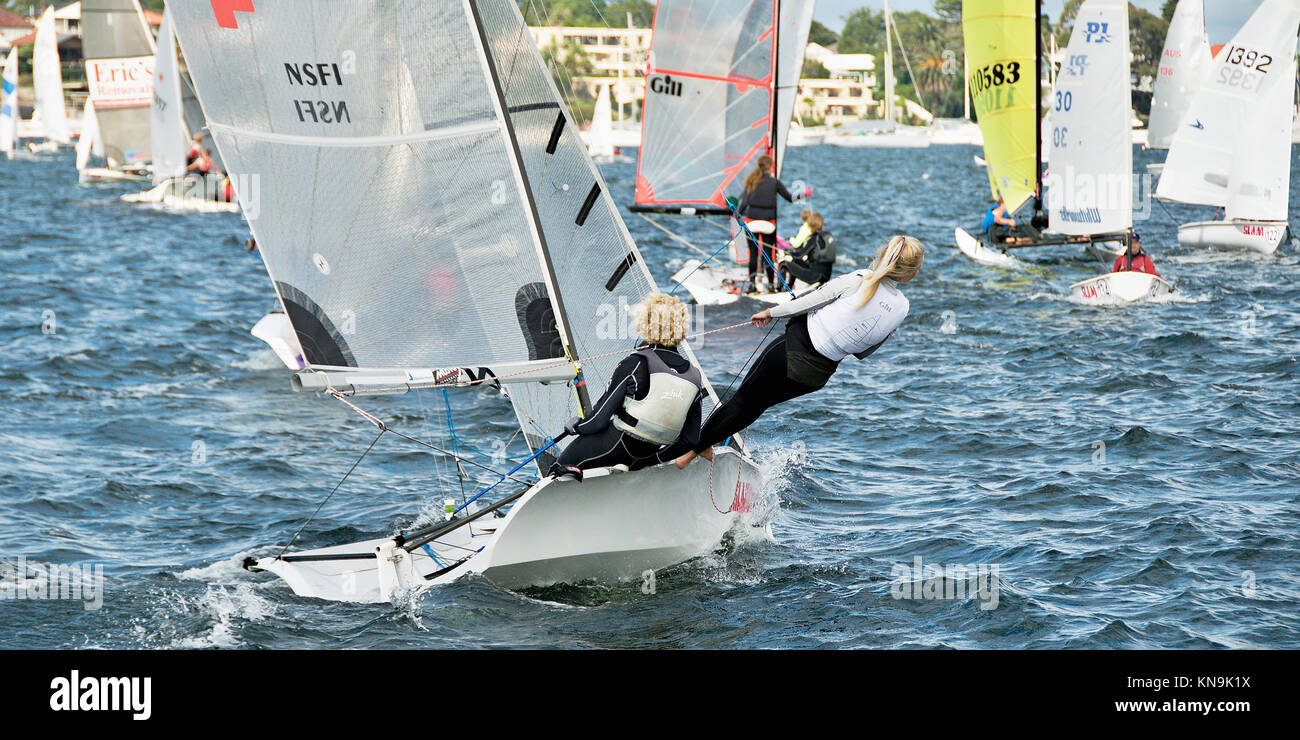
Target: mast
[
  {"x": 773, "y": 123},
  {"x": 552, "y": 284},
  {"x": 1038, "y": 107},
  {"x": 889, "y": 68}
]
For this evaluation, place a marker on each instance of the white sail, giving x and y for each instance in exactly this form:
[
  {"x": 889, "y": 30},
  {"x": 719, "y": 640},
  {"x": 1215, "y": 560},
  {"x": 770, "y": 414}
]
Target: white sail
[
  {"x": 1232, "y": 149},
  {"x": 1090, "y": 187},
  {"x": 791, "y": 42},
  {"x": 167, "y": 121},
  {"x": 9, "y": 102},
  {"x": 48, "y": 80},
  {"x": 418, "y": 210},
  {"x": 708, "y": 112},
  {"x": 1184, "y": 63},
  {"x": 119, "y": 52},
  {"x": 602, "y": 126}
]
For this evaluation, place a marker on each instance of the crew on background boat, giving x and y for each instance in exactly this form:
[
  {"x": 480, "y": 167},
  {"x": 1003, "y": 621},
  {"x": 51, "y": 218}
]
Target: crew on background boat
[
  {"x": 196, "y": 149},
  {"x": 1135, "y": 259},
  {"x": 851, "y": 315},
  {"x": 202, "y": 163},
  {"x": 998, "y": 224},
  {"x": 812, "y": 258},
  {"x": 758, "y": 207},
  {"x": 652, "y": 401}
]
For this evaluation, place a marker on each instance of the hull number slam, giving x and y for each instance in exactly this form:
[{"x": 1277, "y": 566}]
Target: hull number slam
[{"x": 322, "y": 75}]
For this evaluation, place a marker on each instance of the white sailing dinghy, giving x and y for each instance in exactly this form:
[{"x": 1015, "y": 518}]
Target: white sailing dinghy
[
  {"x": 47, "y": 79},
  {"x": 1233, "y": 149},
  {"x": 170, "y": 140},
  {"x": 1184, "y": 62},
  {"x": 600, "y": 141},
  {"x": 424, "y": 211},
  {"x": 119, "y": 52},
  {"x": 721, "y": 83},
  {"x": 9, "y": 104},
  {"x": 1118, "y": 288}
]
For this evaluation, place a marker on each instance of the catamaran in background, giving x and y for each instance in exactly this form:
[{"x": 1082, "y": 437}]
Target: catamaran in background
[
  {"x": 447, "y": 215},
  {"x": 1090, "y": 141},
  {"x": 119, "y": 52},
  {"x": 1184, "y": 62},
  {"x": 722, "y": 80},
  {"x": 1233, "y": 147}
]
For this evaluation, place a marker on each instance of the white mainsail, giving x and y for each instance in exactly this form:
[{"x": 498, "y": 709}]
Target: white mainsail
[
  {"x": 602, "y": 126},
  {"x": 707, "y": 116},
  {"x": 47, "y": 78},
  {"x": 419, "y": 211},
  {"x": 170, "y": 140},
  {"x": 791, "y": 43},
  {"x": 119, "y": 51},
  {"x": 1184, "y": 63},
  {"x": 1090, "y": 187},
  {"x": 9, "y": 102},
  {"x": 1232, "y": 149}
]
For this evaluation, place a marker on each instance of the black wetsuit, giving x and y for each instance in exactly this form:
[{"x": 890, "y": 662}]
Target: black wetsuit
[
  {"x": 601, "y": 444},
  {"x": 787, "y": 368},
  {"x": 760, "y": 204},
  {"x": 802, "y": 265}
]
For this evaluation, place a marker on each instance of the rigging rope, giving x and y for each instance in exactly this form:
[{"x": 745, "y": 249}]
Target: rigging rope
[{"x": 331, "y": 493}]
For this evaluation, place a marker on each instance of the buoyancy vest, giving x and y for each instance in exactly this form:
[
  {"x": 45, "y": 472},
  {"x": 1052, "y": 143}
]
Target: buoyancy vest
[
  {"x": 660, "y": 416},
  {"x": 841, "y": 328}
]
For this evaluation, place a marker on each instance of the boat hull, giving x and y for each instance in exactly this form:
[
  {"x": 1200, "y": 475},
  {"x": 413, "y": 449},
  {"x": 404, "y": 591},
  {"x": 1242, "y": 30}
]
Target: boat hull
[
  {"x": 607, "y": 528},
  {"x": 720, "y": 286},
  {"x": 890, "y": 140},
  {"x": 978, "y": 251},
  {"x": 106, "y": 174},
  {"x": 178, "y": 195},
  {"x": 1118, "y": 288},
  {"x": 1261, "y": 237}
]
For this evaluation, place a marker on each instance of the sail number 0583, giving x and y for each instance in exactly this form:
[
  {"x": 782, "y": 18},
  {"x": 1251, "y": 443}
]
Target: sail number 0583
[{"x": 994, "y": 75}]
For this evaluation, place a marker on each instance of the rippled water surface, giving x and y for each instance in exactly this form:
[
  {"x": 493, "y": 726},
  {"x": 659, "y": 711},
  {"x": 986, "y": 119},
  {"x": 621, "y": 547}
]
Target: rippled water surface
[{"x": 1132, "y": 473}]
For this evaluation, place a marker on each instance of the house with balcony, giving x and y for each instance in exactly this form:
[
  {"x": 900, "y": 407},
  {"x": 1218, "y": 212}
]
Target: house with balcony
[{"x": 844, "y": 96}]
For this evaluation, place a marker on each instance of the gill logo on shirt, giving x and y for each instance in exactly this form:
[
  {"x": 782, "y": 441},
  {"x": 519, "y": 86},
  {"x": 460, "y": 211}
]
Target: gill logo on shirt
[{"x": 225, "y": 10}]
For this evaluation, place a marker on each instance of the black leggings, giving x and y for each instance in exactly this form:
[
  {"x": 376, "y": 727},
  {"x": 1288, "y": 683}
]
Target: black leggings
[
  {"x": 764, "y": 386},
  {"x": 607, "y": 448},
  {"x": 811, "y": 272},
  {"x": 756, "y": 260}
]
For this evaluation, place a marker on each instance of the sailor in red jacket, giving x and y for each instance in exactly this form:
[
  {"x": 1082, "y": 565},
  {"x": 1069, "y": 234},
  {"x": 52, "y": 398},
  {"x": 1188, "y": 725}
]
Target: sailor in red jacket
[{"x": 1135, "y": 259}]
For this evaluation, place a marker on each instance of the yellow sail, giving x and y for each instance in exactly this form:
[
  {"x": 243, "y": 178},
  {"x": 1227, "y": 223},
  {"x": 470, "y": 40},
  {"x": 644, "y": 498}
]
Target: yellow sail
[{"x": 1001, "y": 50}]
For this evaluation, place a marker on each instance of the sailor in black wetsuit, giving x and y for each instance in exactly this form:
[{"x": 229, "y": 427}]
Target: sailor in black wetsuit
[
  {"x": 853, "y": 314},
  {"x": 758, "y": 206},
  {"x": 652, "y": 401}
]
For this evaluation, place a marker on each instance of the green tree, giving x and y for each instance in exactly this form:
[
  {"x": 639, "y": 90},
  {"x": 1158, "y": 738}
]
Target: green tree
[
  {"x": 813, "y": 69},
  {"x": 1167, "y": 10},
  {"x": 864, "y": 32},
  {"x": 819, "y": 34}
]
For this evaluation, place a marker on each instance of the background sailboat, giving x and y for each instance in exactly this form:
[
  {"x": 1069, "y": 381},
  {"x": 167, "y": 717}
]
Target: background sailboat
[
  {"x": 721, "y": 85},
  {"x": 1184, "y": 62},
  {"x": 436, "y": 222},
  {"x": 9, "y": 104},
  {"x": 170, "y": 139},
  {"x": 119, "y": 51},
  {"x": 47, "y": 78},
  {"x": 1233, "y": 149}
]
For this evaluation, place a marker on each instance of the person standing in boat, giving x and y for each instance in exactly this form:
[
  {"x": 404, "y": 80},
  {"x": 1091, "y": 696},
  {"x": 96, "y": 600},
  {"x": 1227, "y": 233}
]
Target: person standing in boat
[
  {"x": 758, "y": 207},
  {"x": 1135, "y": 259},
  {"x": 813, "y": 258},
  {"x": 653, "y": 399},
  {"x": 851, "y": 315}
]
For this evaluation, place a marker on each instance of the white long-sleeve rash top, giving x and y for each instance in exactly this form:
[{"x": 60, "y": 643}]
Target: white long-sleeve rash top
[{"x": 837, "y": 326}]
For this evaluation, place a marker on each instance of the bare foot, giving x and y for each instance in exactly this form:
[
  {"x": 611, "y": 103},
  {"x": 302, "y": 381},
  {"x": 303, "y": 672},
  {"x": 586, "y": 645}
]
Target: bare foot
[
  {"x": 684, "y": 460},
  {"x": 707, "y": 454}
]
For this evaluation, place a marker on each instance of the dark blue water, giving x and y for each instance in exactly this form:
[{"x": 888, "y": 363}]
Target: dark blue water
[{"x": 1132, "y": 473}]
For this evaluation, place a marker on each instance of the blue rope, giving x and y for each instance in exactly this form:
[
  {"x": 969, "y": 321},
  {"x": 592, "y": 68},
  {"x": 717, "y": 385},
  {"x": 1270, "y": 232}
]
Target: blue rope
[
  {"x": 750, "y": 235},
  {"x": 531, "y": 458},
  {"x": 451, "y": 427},
  {"x": 725, "y": 244},
  {"x": 435, "y": 557}
]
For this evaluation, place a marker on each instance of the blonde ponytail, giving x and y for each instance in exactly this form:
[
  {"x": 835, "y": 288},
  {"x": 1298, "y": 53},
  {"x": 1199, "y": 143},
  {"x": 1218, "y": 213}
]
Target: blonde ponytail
[{"x": 899, "y": 259}]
